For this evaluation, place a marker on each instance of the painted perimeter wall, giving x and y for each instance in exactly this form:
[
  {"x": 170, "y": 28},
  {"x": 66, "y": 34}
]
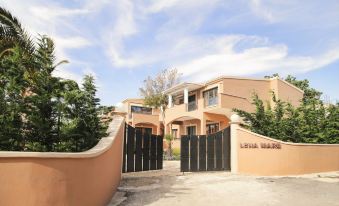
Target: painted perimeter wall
[
  {"x": 290, "y": 159},
  {"x": 86, "y": 179}
]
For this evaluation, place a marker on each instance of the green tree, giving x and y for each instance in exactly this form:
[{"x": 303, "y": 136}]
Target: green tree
[
  {"x": 44, "y": 99},
  {"x": 94, "y": 128},
  {"x": 12, "y": 34},
  {"x": 331, "y": 128},
  {"x": 85, "y": 128},
  {"x": 12, "y": 88},
  {"x": 311, "y": 122},
  {"x": 38, "y": 111}
]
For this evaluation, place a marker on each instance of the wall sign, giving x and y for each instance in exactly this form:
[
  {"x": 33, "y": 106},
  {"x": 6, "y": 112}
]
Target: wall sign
[{"x": 260, "y": 145}]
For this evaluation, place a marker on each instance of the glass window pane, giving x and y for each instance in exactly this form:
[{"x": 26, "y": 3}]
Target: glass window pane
[
  {"x": 211, "y": 97},
  {"x": 142, "y": 110}
]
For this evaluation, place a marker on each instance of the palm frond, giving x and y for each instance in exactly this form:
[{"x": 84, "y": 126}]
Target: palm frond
[{"x": 12, "y": 30}]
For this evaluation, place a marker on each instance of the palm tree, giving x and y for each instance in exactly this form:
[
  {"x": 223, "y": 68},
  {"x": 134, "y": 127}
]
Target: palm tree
[{"x": 12, "y": 34}]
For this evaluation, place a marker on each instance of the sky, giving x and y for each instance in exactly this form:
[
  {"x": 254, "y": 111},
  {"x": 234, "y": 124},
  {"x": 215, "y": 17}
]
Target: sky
[{"x": 121, "y": 42}]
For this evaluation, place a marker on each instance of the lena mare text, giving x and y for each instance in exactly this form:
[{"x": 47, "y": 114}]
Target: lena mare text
[{"x": 260, "y": 145}]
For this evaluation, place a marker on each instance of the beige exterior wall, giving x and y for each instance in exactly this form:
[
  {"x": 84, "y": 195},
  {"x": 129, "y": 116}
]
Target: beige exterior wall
[
  {"x": 217, "y": 118},
  {"x": 286, "y": 91},
  {"x": 71, "y": 179},
  {"x": 232, "y": 93},
  {"x": 142, "y": 120},
  {"x": 291, "y": 159},
  {"x": 246, "y": 87},
  {"x": 145, "y": 119},
  {"x": 230, "y": 102}
]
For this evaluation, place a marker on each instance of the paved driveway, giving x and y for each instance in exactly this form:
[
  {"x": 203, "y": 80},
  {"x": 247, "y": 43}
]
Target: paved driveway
[{"x": 170, "y": 187}]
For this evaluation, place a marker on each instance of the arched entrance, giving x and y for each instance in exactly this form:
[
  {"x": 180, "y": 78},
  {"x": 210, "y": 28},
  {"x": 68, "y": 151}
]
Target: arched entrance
[{"x": 184, "y": 126}]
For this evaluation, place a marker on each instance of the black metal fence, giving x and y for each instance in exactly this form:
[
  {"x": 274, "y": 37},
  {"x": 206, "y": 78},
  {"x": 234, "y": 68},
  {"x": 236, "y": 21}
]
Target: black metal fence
[
  {"x": 142, "y": 152},
  {"x": 206, "y": 153}
]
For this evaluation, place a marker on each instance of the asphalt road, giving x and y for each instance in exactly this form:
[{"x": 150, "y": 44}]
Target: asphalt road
[{"x": 170, "y": 187}]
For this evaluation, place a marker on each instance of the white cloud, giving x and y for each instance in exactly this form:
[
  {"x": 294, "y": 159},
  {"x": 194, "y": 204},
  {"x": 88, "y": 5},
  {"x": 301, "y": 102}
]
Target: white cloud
[
  {"x": 65, "y": 73},
  {"x": 177, "y": 42},
  {"x": 263, "y": 11},
  {"x": 177, "y": 34},
  {"x": 65, "y": 43},
  {"x": 123, "y": 27},
  {"x": 46, "y": 18},
  {"x": 301, "y": 13},
  {"x": 224, "y": 59},
  {"x": 160, "y": 5},
  {"x": 95, "y": 6},
  {"x": 129, "y": 20},
  {"x": 51, "y": 13}
]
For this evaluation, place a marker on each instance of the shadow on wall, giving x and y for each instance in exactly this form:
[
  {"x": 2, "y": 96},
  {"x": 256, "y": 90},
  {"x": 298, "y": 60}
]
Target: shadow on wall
[{"x": 85, "y": 178}]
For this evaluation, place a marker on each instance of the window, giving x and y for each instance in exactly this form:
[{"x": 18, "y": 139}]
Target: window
[
  {"x": 191, "y": 130},
  {"x": 212, "y": 128},
  {"x": 141, "y": 110},
  {"x": 178, "y": 100},
  {"x": 144, "y": 130},
  {"x": 192, "y": 105},
  {"x": 175, "y": 133},
  {"x": 211, "y": 97}
]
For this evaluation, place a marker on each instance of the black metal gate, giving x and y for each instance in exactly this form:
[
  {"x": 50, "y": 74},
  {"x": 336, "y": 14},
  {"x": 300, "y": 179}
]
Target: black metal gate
[
  {"x": 142, "y": 152},
  {"x": 201, "y": 153}
]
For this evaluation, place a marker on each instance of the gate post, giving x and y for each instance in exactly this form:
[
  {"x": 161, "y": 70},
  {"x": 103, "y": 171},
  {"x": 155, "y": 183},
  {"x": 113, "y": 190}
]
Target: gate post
[{"x": 235, "y": 121}]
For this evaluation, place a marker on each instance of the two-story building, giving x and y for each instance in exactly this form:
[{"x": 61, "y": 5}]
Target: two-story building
[
  {"x": 142, "y": 117},
  {"x": 206, "y": 108}
]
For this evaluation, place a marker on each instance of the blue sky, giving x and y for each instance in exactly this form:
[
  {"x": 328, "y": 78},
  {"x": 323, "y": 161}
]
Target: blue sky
[{"x": 121, "y": 42}]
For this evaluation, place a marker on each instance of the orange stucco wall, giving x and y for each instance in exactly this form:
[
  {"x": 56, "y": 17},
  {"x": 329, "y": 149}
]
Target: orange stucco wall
[
  {"x": 221, "y": 119},
  {"x": 70, "y": 179},
  {"x": 137, "y": 119},
  {"x": 286, "y": 92},
  {"x": 291, "y": 159},
  {"x": 246, "y": 87},
  {"x": 145, "y": 118},
  {"x": 233, "y": 93}
]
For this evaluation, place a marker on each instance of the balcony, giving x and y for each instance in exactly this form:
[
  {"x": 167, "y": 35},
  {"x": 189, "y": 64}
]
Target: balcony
[{"x": 191, "y": 106}]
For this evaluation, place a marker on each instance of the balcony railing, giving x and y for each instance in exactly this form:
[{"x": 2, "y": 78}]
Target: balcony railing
[{"x": 191, "y": 106}]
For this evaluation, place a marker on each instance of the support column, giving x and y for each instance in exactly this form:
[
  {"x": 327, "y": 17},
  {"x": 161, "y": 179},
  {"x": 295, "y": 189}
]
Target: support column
[
  {"x": 203, "y": 125},
  {"x": 167, "y": 129},
  {"x": 158, "y": 128},
  {"x": 170, "y": 101},
  {"x": 235, "y": 121},
  {"x": 185, "y": 96}
]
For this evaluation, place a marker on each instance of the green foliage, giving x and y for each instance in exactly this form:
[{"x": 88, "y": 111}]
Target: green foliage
[
  {"x": 311, "y": 122},
  {"x": 84, "y": 127},
  {"x": 40, "y": 112},
  {"x": 169, "y": 138},
  {"x": 105, "y": 109},
  {"x": 11, "y": 85},
  {"x": 176, "y": 153}
]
